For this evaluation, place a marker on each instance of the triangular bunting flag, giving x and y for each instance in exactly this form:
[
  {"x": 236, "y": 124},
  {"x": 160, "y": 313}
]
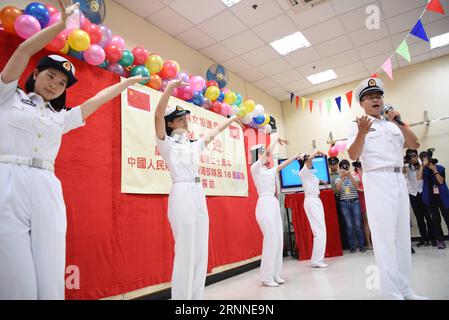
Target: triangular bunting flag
[
  {"x": 435, "y": 5},
  {"x": 328, "y": 105},
  {"x": 338, "y": 100},
  {"x": 349, "y": 98},
  {"x": 292, "y": 95},
  {"x": 418, "y": 31},
  {"x": 403, "y": 51},
  {"x": 388, "y": 69},
  {"x": 311, "y": 105},
  {"x": 303, "y": 107},
  {"x": 374, "y": 76},
  {"x": 297, "y": 102},
  {"x": 320, "y": 104}
]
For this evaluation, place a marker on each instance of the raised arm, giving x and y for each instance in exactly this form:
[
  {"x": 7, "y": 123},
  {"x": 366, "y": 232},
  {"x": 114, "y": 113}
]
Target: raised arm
[
  {"x": 311, "y": 157},
  {"x": 94, "y": 103},
  {"x": 272, "y": 145},
  {"x": 211, "y": 134},
  {"x": 159, "y": 120},
  {"x": 20, "y": 58},
  {"x": 287, "y": 162}
]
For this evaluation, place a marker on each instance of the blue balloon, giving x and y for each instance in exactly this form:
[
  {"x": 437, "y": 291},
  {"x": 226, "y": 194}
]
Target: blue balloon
[
  {"x": 38, "y": 11},
  {"x": 221, "y": 97},
  {"x": 259, "y": 119},
  {"x": 76, "y": 54},
  {"x": 198, "y": 98},
  {"x": 239, "y": 100}
]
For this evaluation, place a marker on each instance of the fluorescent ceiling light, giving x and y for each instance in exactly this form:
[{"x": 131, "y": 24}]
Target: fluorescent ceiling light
[
  {"x": 322, "y": 77},
  {"x": 439, "y": 41},
  {"x": 230, "y": 3},
  {"x": 290, "y": 43}
]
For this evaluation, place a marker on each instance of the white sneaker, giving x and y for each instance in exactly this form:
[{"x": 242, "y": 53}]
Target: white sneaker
[
  {"x": 415, "y": 297},
  {"x": 270, "y": 284},
  {"x": 279, "y": 280},
  {"x": 320, "y": 265}
]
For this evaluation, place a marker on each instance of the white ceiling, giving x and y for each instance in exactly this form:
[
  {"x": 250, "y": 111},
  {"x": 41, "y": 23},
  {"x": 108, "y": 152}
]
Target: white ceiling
[{"x": 239, "y": 37}]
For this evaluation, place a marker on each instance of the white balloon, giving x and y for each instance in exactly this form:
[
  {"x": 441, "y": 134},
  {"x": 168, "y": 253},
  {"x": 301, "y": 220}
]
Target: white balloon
[
  {"x": 259, "y": 108},
  {"x": 247, "y": 119}
]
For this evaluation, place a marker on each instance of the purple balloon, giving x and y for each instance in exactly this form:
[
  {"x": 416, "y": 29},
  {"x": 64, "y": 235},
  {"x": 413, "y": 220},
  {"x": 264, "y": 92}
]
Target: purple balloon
[
  {"x": 107, "y": 36},
  {"x": 116, "y": 68},
  {"x": 182, "y": 75},
  {"x": 118, "y": 41}
]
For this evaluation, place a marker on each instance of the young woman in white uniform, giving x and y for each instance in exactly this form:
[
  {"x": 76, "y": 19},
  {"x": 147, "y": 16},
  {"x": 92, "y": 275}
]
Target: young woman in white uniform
[
  {"x": 314, "y": 210},
  {"x": 32, "y": 209},
  {"x": 268, "y": 213},
  {"x": 187, "y": 209}
]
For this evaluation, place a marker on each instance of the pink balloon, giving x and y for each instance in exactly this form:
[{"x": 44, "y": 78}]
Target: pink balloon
[
  {"x": 185, "y": 93},
  {"x": 118, "y": 41},
  {"x": 94, "y": 55},
  {"x": 197, "y": 83},
  {"x": 225, "y": 109},
  {"x": 340, "y": 146},
  {"x": 140, "y": 55},
  {"x": 26, "y": 26},
  {"x": 54, "y": 19}
]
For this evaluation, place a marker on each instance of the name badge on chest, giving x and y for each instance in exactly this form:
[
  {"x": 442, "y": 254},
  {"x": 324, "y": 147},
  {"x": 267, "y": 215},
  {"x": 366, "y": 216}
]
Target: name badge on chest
[{"x": 28, "y": 102}]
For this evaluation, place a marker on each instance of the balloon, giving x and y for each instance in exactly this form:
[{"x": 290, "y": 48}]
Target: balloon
[
  {"x": 66, "y": 33},
  {"x": 79, "y": 40},
  {"x": 127, "y": 58},
  {"x": 197, "y": 83},
  {"x": 182, "y": 76},
  {"x": 57, "y": 44},
  {"x": 140, "y": 55},
  {"x": 230, "y": 97},
  {"x": 198, "y": 98},
  {"x": 118, "y": 41},
  {"x": 51, "y": 9},
  {"x": 66, "y": 48},
  {"x": 212, "y": 93},
  {"x": 95, "y": 55},
  {"x": 332, "y": 152},
  {"x": 247, "y": 119},
  {"x": 103, "y": 65},
  {"x": 8, "y": 16},
  {"x": 266, "y": 121},
  {"x": 185, "y": 93},
  {"x": 216, "y": 106},
  {"x": 225, "y": 109},
  {"x": 84, "y": 22},
  {"x": 140, "y": 70},
  {"x": 76, "y": 54},
  {"x": 221, "y": 97},
  {"x": 155, "y": 82},
  {"x": 163, "y": 85},
  {"x": 38, "y": 11},
  {"x": 340, "y": 146},
  {"x": 234, "y": 110},
  {"x": 26, "y": 26},
  {"x": 249, "y": 105},
  {"x": 113, "y": 53},
  {"x": 242, "y": 112},
  {"x": 154, "y": 63},
  {"x": 169, "y": 70},
  {"x": 107, "y": 36},
  {"x": 239, "y": 100},
  {"x": 211, "y": 83},
  {"x": 207, "y": 104},
  {"x": 54, "y": 19},
  {"x": 94, "y": 33},
  {"x": 259, "y": 109},
  {"x": 259, "y": 119},
  {"x": 116, "y": 68}
]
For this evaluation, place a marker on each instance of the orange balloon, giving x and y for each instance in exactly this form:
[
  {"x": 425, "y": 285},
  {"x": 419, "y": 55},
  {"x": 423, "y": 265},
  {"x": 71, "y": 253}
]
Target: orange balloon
[
  {"x": 8, "y": 16},
  {"x": 155, "y": 82}
]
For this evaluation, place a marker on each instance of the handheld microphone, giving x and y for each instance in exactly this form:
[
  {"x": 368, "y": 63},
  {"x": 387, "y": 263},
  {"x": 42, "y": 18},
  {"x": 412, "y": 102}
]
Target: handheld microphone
[{"x": 387, "y": 108}]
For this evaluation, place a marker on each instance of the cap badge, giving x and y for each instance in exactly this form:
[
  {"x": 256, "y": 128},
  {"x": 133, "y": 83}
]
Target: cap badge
[
  {"x": 67, "y": 66},
  {"x": 179, "y": 108},
  {"x": 372, "y": 83}
]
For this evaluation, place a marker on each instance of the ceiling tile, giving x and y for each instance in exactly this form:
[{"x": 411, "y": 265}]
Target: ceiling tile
[
  {"x": 397, "y": 7},
  {"x": 287, "y": 77},
  {"x": 278, "y": 91},
  {"x": 324, "y": 31},
  {"x": 218, "y": 53},
  {"x": 266, "y": 10},
  {"x": 251, "y": 74},
  {"x": 275, "y": 29},
  {"x": 302, "y": 56},
  {"x": 322, "y": 65},
  {"x": 375, "y": 48},
  {"x": 169, "y": 21},
  {"x": 356, "y": 19},
  {"x": 342, "y": 6},
  {"x": 197, "y": 10},
  {"x": 334, "y": 46},
  {"x": 236, "y": 64},
  {"x": 438, "y": 27},
  {"x": 231, "y": 26},
  {"x": 365, "y": 36},
  {"x": 265, "y": 84},
  {"x": 274, "y": 67},
  {"x": 297, "y": 85},
  {"x": 261, "y": 55},
  {"x": 350, "y": 69},
  {"x": 137, "y": 7},
  {"x": 329, "y": 84},
  {"x": 313, "y": 16},
  {"x": 417, "y": 59},
  {"x": 355, "y": 77},
  {"x": 403, "y": 22},
  {"x": 195, "y": 38},
  {"x": 243, "y": 42}
]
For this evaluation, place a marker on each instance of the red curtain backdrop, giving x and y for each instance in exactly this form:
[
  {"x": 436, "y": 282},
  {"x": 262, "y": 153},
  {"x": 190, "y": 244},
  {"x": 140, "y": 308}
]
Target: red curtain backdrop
[
  {"x": 303, "y": 233},
  {"x": 123, "y": 242}
]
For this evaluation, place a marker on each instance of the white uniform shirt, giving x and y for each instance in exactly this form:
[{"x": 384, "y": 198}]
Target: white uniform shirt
[
  {"x": 264, "y": 178},
  {"x": 30, "y": 129},
  {"x": 413, "y": 185},
  {"x": 383, "y": 146},
  {"x": 310, "y": 182},
  {"x": 182, "y": 158}
]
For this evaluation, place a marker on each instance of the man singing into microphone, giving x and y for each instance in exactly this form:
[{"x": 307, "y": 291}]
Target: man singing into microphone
[{"x": 379, "y": 141}]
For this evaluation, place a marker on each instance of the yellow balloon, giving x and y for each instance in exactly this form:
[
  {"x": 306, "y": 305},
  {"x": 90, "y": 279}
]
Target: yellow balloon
[
  {"x": 212, "y": 93},
  {"x": 267, "y": 120},
  {"x": 242, "y": 112},
  {"x": 66, "y": 48},
  {"x": 230, "y": 98},
  {"x": 154, "y": 63},
  {"x": 249, "y": 105},
  {"x": 79, "y": 40}
]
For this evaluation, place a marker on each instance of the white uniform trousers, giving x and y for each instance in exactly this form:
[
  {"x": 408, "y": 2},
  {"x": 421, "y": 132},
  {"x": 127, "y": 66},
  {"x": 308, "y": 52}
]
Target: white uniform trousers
[
  {"x": 189, "y": 221},
  {"x": 32, "y": 234},
  {"x": 387, "y": 206},
  {"x": 315, "y": 213},
  {"x": 268, "y": 215}
]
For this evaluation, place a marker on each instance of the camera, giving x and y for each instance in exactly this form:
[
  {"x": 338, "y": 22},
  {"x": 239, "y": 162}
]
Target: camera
[
  {"x": 345, "y": 166},
  {"x": 430, "y": 156}
]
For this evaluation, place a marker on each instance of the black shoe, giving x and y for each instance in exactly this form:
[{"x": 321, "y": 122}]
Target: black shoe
[
  {"x": 427, "y": 244},
  {"x": 353, "y": 250},
  {"x": 362, "y": 250},
  {"x": 420, "y": 244},
  {"x": 434, "y": 243},
  {"x": 413, "y": 250}
]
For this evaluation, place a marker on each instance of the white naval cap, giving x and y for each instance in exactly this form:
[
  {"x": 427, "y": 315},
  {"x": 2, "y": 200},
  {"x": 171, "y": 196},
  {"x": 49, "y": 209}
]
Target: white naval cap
[
  {"x": 369, "y": 85},
  {"x": 175, "y": 111}
]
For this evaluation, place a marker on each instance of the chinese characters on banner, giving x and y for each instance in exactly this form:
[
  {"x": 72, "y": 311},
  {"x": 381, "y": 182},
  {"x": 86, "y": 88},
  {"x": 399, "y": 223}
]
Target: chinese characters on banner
[{"x": 222, "y": 167}]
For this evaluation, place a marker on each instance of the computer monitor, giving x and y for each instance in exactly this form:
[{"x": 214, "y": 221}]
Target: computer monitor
[{"x": 289, "y": 176}]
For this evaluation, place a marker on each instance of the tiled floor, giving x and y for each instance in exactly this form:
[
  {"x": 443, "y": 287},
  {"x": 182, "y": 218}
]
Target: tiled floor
[{"x": 348, "y": 277}]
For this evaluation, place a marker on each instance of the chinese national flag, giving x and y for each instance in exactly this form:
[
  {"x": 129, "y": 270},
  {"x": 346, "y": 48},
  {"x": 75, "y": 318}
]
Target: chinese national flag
[
  {"x": 139, "y": 100},
  {"x": 234, "y": 132}
]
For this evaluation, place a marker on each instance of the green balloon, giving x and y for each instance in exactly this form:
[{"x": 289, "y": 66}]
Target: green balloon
[
  {"x": 140, "y": 70},
  {"x": 127, "y": 59}
]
